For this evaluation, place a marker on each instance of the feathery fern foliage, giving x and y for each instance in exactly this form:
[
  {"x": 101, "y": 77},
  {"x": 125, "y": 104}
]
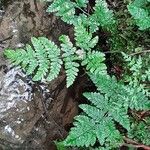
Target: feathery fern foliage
[
  {"x": 66, "y": 9},
  {"x": 138, "y": 71},
  {"x": 141, "y": 131},
  {"x": 140, "y": 13},
  {"x": 43, "y": 59},
  {"x": 103, "y": 15},
  {"x": 108, "y": 106},
  {"x": 83, "y": 38}
]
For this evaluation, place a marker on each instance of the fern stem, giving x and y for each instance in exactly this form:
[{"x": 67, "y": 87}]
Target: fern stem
[
  {"x": 83, "y": 11},
  {"x": 108, "y": 52}
]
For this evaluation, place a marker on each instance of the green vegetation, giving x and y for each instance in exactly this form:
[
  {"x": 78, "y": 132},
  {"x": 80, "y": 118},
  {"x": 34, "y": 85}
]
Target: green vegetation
[
  {"x": 108, "y": 106},
  {"x": 117, "y": 111},
  {"x": 139, "y": 9}
]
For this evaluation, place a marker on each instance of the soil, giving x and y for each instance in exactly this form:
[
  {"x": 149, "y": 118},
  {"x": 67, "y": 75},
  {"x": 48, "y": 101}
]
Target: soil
[{"x": 33, "y": 115}]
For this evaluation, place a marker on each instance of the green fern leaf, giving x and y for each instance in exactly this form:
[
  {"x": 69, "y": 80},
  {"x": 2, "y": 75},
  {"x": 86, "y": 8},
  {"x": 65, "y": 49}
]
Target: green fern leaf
[
  {"x": 120, "y": 115},
  {"x": 106, "y": 106},
  {"x": 41, "y": 60},
  {"x": 140, "y": 14},
  {"x": 33, "y": 63},
  {"x": 97, "y": 99},
  {"x": 60, "y": 146},
  {"x": 103, "y": 15},
  {"x": 70, "y": 58},
  {"x": 125, "y": 96},
  {"x": 93, "y": 112},
  {"x": 106, "y": 132},
  {"x": 140, "y": 3},
  {"x": 64, "y": 9},
  {"x": 15, "y": 56},
  {"x": 53, "y": 53},
  {"x": 94, "y": 62},
  {"x": 96, "y": 124},
  {"x": 84, "y": 38},
  {"x": 137, "y": 100},
  {"x": 40, "y": 55},
  {"x": 101, "y": 148},
  {"x": 82, "y": 134}
]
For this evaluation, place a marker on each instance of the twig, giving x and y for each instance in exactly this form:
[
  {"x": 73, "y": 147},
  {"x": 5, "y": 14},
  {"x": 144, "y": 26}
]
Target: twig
[
  {"x": 136, "y": 53},
  {"x": 83, "y": 11},
  {"x": 132, "y": 143},
  {"x": 132, "y": 54},
  {"x": 108, "y": 52}
]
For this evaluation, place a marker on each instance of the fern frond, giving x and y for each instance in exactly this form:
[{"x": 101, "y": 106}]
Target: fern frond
[
  {"x": 94, "y": 62},
  {"x": 139, "y": 72},
  {"x": 16, "y": 56},
  {"x": 41, "y": 59},
  {"x": 107, "y": 133},
  {"x": 64, "y": 9},
  {"x": 107, "y": 106},
  {"x": 60, "y": 146},
  {"x": 70, "y": 59},
  {"x": 103, "y": 15},
  {"x": 83, "y": 38},
  {"x": 93, "y": 112},
  {"x": 31, "y": 56},
  {"x": 97, "y": 99},
  {"x": 140, "y": 13},
  {"x": 140, "y": 3},
  {"x": 96, "y": 125},
  {"x": 137, "y": 100},
  {"x": 120, "y": 115},
  {"x": 101, "y": 148},
  {"x": 99, "y": 118}
]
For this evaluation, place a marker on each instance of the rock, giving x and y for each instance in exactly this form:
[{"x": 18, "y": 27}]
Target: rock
[
  {"x": 22, "y": 20},
  {"x": 18, "y": 112}
]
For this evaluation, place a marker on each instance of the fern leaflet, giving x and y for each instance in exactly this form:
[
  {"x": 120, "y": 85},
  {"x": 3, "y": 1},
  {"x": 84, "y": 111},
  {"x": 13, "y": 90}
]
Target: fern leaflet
[
  {"x": 70, "y": 58},
  {"x": 103, "y": 15},
  {"x": 94, "y": 62},
  {"x": 84, "y": 38}
]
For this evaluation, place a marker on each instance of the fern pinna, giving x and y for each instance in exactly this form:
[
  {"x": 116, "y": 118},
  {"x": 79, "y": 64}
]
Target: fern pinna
[
  {"x": 43, "y": 58},
  {"x": 70, "y": 58},
  {"x": 109, "y": 106},
  {"x": 139, "y": 10}
]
